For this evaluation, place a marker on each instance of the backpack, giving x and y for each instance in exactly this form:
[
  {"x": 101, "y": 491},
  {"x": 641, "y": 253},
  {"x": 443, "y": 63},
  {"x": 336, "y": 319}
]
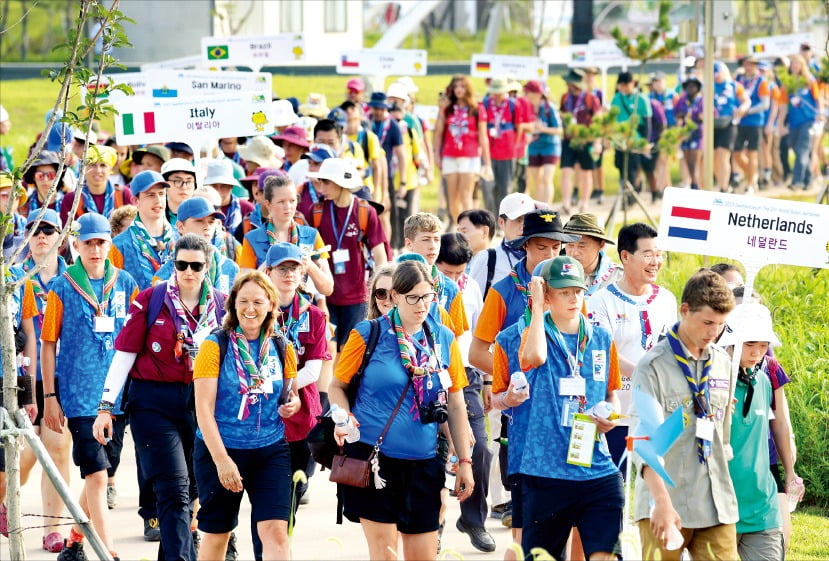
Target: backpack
[
  {"x": 362, "y": 221},
  {"x": 491, "y": 258},
  {"x": 362, "y": 138},
  {"x": 511, "y": 110},
  {"x": 658, "y": 120}
]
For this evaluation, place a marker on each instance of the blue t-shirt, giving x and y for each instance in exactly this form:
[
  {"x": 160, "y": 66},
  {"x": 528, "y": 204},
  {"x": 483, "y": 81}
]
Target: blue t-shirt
[
  {"x": 546, "y": 144},
  {"x": 539, "y": 418},
  {"x": 41, "y": 292},
  {"x": 725, "y": 98},
  {"x": 134, "y": 261},
  {"x": 667, "y": 99},
  {"x": 515, "y": 301},
  {"x": 15, "y": 304},
  {"x": 752, "y": 88},
  {"x": 390, "y": 137},
  {"x": 383, "y": 381},
  {"x": 85, "y": 355},
  {"x": 263, "y": 426},
  {"x": 259, "y": 240}
]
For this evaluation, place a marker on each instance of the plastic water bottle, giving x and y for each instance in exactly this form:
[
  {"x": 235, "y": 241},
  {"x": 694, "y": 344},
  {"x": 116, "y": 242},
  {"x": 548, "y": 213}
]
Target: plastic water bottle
[
  {"x": 343, "y": 419},
  {"x": 675, "y": 539},
  {"x": 519, "y": 382},
  {"x": 794, "y": 492},
  {"x": 602, "y": 410}
]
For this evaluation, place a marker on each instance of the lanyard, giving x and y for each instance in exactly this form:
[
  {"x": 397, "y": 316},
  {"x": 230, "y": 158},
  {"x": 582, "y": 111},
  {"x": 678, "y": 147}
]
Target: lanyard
[
  {"x": 644, "y": 318},
  {"x": 574, "y": 107},
  {"x": 339, "y": 236},
  {"x": 574, "y": 360}
]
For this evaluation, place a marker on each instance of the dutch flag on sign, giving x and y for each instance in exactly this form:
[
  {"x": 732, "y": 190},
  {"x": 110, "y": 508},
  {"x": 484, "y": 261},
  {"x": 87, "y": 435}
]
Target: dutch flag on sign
[{"x": 689, "y": 223}]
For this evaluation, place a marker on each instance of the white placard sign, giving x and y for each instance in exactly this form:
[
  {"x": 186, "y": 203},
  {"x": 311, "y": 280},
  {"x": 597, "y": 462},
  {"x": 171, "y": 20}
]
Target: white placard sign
[
  {"x": 778, "y": 45},
  {"x": 598, "y": 52},
  {"x": 189, "y": 83},
  {"x": 144, "y": 120},
  {"x": 253, "y": 50},
  {"x": 749, "y": 229},
  {"x": 369, "y": 62},
  {"x": 521, "y": 67}
]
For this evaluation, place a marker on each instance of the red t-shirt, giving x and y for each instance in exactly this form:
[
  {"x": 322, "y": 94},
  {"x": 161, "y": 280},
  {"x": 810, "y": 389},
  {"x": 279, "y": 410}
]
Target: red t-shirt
[
  {"x": 583, "y": 107},
  {"x": 460, "y": 133},
  {"x": 501, "y": 125},
  {"x": 349, "y": 285},
  {"x": 100, "y": 202},
  {"x": 524, "y": 114}
]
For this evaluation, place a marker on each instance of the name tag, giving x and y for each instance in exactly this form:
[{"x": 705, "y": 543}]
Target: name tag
[
  {"x": 572, "y": 385},
  {"x": 103, "y": 324},
  {"x": 705, "y": 429},
  {"x": 445, "y": 379},
  {"x": 582, "y": 436}
]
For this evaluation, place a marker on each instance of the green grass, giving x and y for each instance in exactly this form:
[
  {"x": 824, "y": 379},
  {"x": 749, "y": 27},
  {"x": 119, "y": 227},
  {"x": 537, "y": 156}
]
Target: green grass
[
  {"x": 451, "y": 47},
  {"x": 810, "y": 535}
]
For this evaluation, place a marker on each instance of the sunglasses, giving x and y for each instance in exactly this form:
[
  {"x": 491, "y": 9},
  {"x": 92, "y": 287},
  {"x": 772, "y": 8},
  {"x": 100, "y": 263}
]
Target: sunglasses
[
  {"x": 50, "y": 175},
  {"x": 381, "y": 293},
  {"x": 197, "y": 266},
  {"x": 47, "y": 229}
]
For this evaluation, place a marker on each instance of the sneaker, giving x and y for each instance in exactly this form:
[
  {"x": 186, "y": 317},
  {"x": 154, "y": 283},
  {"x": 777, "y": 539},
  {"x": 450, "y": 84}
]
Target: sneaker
[
  {"x": 53, "y": 542},
  {"x": 72, "y": 552},
  {"x": 305, "y": 498},
  {"x": 4, "y": 521},
  {"x": 497, "y": 511},
  {"x": 231, "y": 554},
  {"x": 506, "y": 518},
  {"x": 152, "y": 533},
  {"x": 480, "y": 538},
  {"x": 440, "y": 535},
  {"x": 112, "y": 497}
]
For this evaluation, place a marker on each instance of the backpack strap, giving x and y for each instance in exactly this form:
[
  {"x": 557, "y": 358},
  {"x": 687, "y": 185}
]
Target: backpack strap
[
  {"x": 156, "y": 303},
  {"x": 117, "y": 197},
  {"x": 371, "y": 343},
  {"x": 491, "y": 258},
  {"x": 316, "y": 215}
]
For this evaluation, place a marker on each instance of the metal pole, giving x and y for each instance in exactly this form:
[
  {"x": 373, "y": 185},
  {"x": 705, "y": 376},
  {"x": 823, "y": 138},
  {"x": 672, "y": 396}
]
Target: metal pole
[
  {"x": 51, "y": 471},
  {"x": 708, "y": 100}
]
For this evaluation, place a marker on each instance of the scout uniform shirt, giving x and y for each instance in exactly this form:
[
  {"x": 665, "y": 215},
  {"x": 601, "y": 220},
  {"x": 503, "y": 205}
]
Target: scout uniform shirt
[
  {"x": 257, "y": 242},
  {"x": 87, "y": 345},
  {"x": 21, "y": 303},
  {"x": 141, "y": 254},
  {"x": 449, "y": 299},
  {"x": 40, "y": 292}
]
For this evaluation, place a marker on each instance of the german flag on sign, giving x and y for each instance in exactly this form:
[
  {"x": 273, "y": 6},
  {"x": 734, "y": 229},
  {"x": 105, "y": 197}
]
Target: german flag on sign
[
  {"x": 217, "y": 52},
  {"x": 482, "y": 66}
]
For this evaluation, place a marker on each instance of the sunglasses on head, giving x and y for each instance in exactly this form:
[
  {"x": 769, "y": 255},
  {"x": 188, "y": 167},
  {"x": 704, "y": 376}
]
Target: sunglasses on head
[
  {"x": 47, "y": 229},
  {"x": 381, "y": 293},
  {"x": 197, "y": 266}
]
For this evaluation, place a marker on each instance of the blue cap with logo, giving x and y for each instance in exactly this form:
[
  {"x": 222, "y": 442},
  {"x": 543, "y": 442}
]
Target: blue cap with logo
[
  {"x": 146, "y": 179},
  {"x": 197, "y": 207},
  {"x": 281, "y": 252},
  {"x": 320, "y": 152},
  {"x": 48, "y": 216},
  {"x": 93, "y": 226}
]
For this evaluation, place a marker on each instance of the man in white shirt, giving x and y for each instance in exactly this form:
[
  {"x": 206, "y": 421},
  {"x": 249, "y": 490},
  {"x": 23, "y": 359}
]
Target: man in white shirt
[{"x": 635, "y": 310}]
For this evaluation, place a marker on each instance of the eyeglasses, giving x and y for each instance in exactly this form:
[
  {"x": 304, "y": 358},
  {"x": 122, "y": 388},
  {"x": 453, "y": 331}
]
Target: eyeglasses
[
  {"x": 47, "y": 229},
  {"x": 285, "y": 270},
  {"x": 196, "y": 266},
  {"x": 650, "y": 256},
  {"x": 381, "y": 293},
  {"x": 413, "y": 299},
  {"x": 50, "y": 175},
  {"x": 182, "y": 183}
]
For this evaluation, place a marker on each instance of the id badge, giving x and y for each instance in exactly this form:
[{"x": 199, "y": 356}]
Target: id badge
[
  {"x": 103, "y": 324},
  {"x": 340, "y": 257},
  {"x": 582, "y": 437},
  {"x": 445, "y": 379},
  {"x": 569, "y": 408},
  {"x": 705, "y": 429},
  {"x": 572, "y": 385}
]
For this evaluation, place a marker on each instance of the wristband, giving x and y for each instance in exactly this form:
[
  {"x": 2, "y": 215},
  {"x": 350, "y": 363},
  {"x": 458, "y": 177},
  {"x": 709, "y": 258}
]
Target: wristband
[
  {"x": 48, "y": 395},
  {"x": 465, "y": 461},
  {"x": 106, "y": 406},
  {"x": 504, "y": 400},
  {"x": 487, "y": 382}
]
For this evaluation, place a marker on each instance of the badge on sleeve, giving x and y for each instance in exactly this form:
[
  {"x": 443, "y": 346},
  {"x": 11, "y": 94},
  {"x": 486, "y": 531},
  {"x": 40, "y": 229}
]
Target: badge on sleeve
[{"x": 600, "y": 366}]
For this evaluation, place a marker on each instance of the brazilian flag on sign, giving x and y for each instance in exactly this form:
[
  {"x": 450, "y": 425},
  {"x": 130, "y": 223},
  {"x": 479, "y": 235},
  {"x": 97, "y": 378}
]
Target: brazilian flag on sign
[{"x": 217, "y": 52}]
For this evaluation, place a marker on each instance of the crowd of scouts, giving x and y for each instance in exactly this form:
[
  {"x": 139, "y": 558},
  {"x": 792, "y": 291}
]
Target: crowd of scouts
[{"x": 220, "y": 307}]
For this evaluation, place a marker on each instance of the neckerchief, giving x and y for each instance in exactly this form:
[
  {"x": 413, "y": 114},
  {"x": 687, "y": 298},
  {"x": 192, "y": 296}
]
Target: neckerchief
[
  {"x": 181, "y": 321},
  {"x": 213, "y": 269},
  {"x": 574, "y": 360},
  {"x": 748, "y": 376},
  {"x": 35, "y": 203},
  {"x": 39, "y": 288},
  {"x": 499, "y": 112},
  {"x": 522, "y": 289},
  {"x": 459, "y": 124},
  {"x": 218, "y": 241},
  {"x": 109, "y": 200},
  {"x": 418, "y": 360},
  {"x": 699, "y": 390},
  {"x": 512, "y": 253},
  {"x": 604, "y": 270},
  {"x": 155, "y": 252},
  {"x": 248, "y": 368},
  {"x": 79, "y": 280},
  {"x": 273, "y": 239},
  {"x": 437, "y": 279},
  {"x": 644, "y": 318},
  {"x": 233, "y": 216},
  {"x": 291, "y": 318}
]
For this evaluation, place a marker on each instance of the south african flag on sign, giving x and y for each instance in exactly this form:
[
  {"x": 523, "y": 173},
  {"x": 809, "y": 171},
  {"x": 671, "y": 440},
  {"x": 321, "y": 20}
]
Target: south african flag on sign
[{"x": 217, "y": 52}]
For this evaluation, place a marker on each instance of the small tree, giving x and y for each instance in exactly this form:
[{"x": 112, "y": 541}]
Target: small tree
[{"x": 72, "y": 75}]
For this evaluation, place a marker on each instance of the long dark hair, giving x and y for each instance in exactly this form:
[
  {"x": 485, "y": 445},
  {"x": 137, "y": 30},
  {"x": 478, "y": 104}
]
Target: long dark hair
[{"x": 469, "y": 99}]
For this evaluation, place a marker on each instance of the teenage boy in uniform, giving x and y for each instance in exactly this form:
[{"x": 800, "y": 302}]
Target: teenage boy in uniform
[
  {"x": 93, "y": 296},
  {"x": 147, "y": 244},
  {"x": 635, "y": 310},
  {"x": 687, "y": 370}
]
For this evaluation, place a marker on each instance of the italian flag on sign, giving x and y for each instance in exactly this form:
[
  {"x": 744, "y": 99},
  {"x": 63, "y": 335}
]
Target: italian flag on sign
[{"x": 137, "y": 123}]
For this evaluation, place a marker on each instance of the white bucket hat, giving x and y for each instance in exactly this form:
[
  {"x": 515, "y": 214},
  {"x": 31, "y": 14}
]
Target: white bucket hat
[
  {"x": 340, "y": 171},
  {"x": 283, "y": 113},
  {"x": 220, "y": 172},
  {"x": 262, "y": 151},
  {"x": 751, "y": 322}
]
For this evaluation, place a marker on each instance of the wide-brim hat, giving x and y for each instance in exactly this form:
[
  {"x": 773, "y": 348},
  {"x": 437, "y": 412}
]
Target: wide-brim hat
[
  {"x": 6, "y": 182},
  {"x": 751, "y": 321},
  {"x": 315, "y": 106},
  {"x": 575, "y": 77},
  {"x": 160, "y": 152},
  {"x": 378, "y": 101},
  {"x": 295, "y": 135},
  {"x": 220, "y": 172},
  {"x": 261, "y": 150},
  {"x": 586, "y": 224},
  {"x": 340, "y": 171},
  {"x": 543, "y": 224},
  {"x": 45, "y": 158},
  {"x": 498, "y": 85},
  {"x": 283, "y": 113}
]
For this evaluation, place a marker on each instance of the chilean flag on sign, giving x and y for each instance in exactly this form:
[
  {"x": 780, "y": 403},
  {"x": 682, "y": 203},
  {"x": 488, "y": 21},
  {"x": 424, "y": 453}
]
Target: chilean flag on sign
[{"x": 689, "y": 223}]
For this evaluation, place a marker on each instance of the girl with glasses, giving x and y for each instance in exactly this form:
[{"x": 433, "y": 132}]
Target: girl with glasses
[
  {"x": 156, "y": 350},
  {"x": 413, "y": 382}
]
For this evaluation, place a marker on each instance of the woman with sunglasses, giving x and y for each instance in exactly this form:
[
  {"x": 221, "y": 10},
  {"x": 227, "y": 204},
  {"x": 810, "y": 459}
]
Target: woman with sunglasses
[
  {"x": 40, "y": 177},
  {"x": 379, "y": 292},
  {"x": 412, "y": 383},
  {"x": 243, "y": 391},
  {"x": 155, "y": 349},
  {"x": 45, "y": 236}
]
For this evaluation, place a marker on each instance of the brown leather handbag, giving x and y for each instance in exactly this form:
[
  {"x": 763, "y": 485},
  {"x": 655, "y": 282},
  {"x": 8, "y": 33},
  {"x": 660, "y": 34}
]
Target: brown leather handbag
[{"x": 356, "y": 472}]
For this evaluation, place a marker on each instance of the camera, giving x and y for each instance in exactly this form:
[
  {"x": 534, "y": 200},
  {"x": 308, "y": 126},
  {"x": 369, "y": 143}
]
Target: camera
[{"x": 436, "y": 410}]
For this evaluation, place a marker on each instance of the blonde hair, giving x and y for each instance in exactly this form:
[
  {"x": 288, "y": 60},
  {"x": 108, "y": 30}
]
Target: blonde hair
[
  {"x": 121, "y": 218},
  {"x": 421, "y": 222}
]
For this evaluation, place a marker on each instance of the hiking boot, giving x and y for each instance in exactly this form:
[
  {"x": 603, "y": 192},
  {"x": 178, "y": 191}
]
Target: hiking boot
[
  {"x": 112, "y": 497},
  {"x": 231, "y": 554},
  {"x": 480, "y": 538},
  {"x": 506, "y": 518},
  {"x": 72, "y": 552},
  {"x": 152, "y": 533}
]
